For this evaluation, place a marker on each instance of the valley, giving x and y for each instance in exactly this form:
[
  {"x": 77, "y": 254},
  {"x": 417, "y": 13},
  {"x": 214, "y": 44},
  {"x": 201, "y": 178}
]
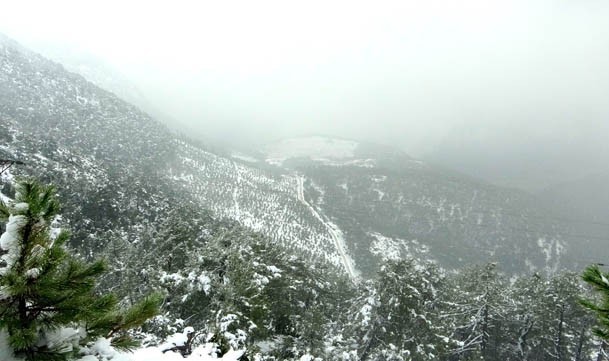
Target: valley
[{"x": 303, "y": 249}]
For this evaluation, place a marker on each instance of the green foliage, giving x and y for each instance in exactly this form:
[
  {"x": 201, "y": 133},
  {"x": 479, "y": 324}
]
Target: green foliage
[
  {"x": 474, "y": 307},
  {"x": 221, "y": 271},
  {"x": 400, "y": 314},
  {"x": 599, "y": 281},
  {"x": 44, "y": 288},
  {"x": 525, "y": 318}
]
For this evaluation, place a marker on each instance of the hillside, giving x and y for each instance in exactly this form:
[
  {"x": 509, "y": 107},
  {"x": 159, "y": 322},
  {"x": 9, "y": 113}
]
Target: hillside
[
  {"x": 313, "y": 248},
  {"x": 390, "y": 205},
  {"x": 346, "y": 203},
  {"x": 143, "y": 198},
  {"x": 119, "y": 169}
]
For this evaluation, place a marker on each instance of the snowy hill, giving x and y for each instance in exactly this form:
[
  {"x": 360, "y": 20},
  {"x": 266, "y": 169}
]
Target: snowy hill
[
  {"x": 253, "y": 250},
  {"x": 315, "y": 148},
  {"x": 338, "y": 201},
  {"x": 332, "y": 151},
  {"x": 385, "y": 204},
  {"x": 116, "y": 165},
  {"x": 95, "y": 70}
]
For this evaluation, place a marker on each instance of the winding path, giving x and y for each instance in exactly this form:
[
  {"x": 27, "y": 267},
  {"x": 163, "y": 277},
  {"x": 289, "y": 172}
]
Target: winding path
[
  {"x": 333, "y": 230},
  {"x": 236, "y": 191}
]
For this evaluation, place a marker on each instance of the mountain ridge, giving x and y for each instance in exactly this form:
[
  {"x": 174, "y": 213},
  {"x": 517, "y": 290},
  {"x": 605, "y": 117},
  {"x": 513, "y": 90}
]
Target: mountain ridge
[{"x": 109, "y": 157}]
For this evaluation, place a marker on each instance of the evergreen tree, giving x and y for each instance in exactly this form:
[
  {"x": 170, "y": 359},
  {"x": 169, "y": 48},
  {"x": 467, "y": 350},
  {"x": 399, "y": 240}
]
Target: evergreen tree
[
  {"x": 566, "y": 334},
  {"x": 400, "y": 316},
  {"x": 44, "y": 290},
  {"x": 600, "y": 283},
  {"x": 475, "y": 306}
]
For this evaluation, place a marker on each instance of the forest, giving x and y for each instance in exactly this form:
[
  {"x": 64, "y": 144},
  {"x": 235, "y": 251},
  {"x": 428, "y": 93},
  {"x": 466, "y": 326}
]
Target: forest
[{"x": 233, "y": 289}]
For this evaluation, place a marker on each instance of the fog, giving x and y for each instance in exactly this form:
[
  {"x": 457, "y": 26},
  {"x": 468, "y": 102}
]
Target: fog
[{"x": 512, "y": 91}]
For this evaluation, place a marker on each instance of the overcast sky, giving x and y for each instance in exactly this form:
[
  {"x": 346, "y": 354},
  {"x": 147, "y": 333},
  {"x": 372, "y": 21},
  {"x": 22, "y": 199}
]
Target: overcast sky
[{"x": 481, "y": 82}]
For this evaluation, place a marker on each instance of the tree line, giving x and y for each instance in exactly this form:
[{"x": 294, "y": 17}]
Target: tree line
[{"x": 241, "y": 292}]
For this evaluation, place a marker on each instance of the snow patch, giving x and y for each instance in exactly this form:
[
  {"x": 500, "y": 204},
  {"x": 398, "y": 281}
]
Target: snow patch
[
  {"x": 385, "y": 247},
  {"x": 310, "y": 147},
  {"x": 102, "y": 350},
  {"x": 388, "y": 248},
  {"x": 32, "y": 273},
  {"x": 9, "y": 241},
  {"x": 244, "y": 157}
]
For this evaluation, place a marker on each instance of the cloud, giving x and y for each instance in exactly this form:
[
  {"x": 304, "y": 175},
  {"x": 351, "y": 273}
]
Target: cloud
[{"x": 485, "y": 77}]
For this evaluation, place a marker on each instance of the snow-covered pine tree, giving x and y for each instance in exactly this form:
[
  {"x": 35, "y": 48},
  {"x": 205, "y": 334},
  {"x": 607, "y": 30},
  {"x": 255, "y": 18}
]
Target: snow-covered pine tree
[
  {"x": 48, "y": 303},
  {"x": 567, "y": 335},
  {"x": 474, "y": 302},
  {"x": 600, "y": 283},
  {"x": 402, "y": 321}
]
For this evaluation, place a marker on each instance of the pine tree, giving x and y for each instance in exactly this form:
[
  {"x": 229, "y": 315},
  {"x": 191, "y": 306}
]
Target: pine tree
[
  {"x": 402, "y": 320},
  {"x": 600, "y": 283},
  {"x": 44, "y": 289},
  {"x": 474, "y": 306},
  {"x": 567, "y": 335}
]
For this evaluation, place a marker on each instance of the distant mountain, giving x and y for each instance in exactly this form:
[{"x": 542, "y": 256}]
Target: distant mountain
[
  {"x": 108, "y": 77},
  {"x": 387, "y": 203},
  {"x": 337, "y": 201},
  {"x": 94, "y": 69},
  {"x": 105, "y": 155}
]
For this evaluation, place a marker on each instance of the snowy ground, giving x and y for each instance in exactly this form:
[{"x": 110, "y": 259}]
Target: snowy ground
[
  {"x": 310, "y": 147},
  {"x": 201, "y": 353}
]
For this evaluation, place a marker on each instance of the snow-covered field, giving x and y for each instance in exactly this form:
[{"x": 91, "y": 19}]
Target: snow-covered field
[{"x": 315, "y": 148}]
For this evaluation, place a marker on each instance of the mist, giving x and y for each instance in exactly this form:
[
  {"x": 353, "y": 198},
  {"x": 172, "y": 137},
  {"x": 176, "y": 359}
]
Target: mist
[{"x": 511, "y": 91}]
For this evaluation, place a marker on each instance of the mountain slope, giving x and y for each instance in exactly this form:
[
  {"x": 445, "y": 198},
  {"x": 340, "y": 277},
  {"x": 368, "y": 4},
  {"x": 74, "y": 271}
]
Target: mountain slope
[
  {"x": 118, "y": 169},
  {"x": 389, "y": 205},
  {"x": 346, "y": 203}
]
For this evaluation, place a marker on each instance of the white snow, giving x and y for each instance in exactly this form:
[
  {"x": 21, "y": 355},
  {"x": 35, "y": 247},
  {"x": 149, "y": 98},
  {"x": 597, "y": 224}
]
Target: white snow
[
  {"x": 552, "y": 249},
  {"x": 9, "y": 241},
  {"x": 205, "y": 283},
  {"x": 389, "y": 248},
  {"x": 102, "y": 350},
  {"x": 244, "y": 157},
  {"x": 385, "y": 247},
  {"x": 310, "y": 147},
  {"x": 273, "y": 269},
  {"x": 20, "y": 207},
  {"x": 178, "y": 339},
  {"x": 32, "y": 273},
  {"x": 4, "y": 199},
  {"x": 62, "y": 340}
]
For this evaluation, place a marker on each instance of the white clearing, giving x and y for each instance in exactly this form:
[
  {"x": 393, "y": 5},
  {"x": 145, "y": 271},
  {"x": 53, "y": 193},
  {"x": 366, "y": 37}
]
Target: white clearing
[
  {"x": 335, "y": 233},
  {"x": 315, "y": 148},
  {"x": 244, "y": 157}
]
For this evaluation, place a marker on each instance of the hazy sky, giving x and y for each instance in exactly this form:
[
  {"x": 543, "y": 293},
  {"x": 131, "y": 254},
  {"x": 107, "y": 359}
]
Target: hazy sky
[{"x": 490, "y": 81}]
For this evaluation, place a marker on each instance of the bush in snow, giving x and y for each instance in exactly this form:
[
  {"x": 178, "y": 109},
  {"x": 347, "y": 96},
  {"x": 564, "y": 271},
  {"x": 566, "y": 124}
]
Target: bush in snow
[{"x": 48, "y": 305}]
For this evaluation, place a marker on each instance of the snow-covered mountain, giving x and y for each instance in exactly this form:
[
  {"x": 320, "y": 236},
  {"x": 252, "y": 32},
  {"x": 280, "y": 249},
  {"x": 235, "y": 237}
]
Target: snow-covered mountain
[
  {"x": 119, "y": 168},
  {"x": 386, "y": 203},
  {"x": 347, "y": 203},
  {"x": 92, "y": 68}
]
